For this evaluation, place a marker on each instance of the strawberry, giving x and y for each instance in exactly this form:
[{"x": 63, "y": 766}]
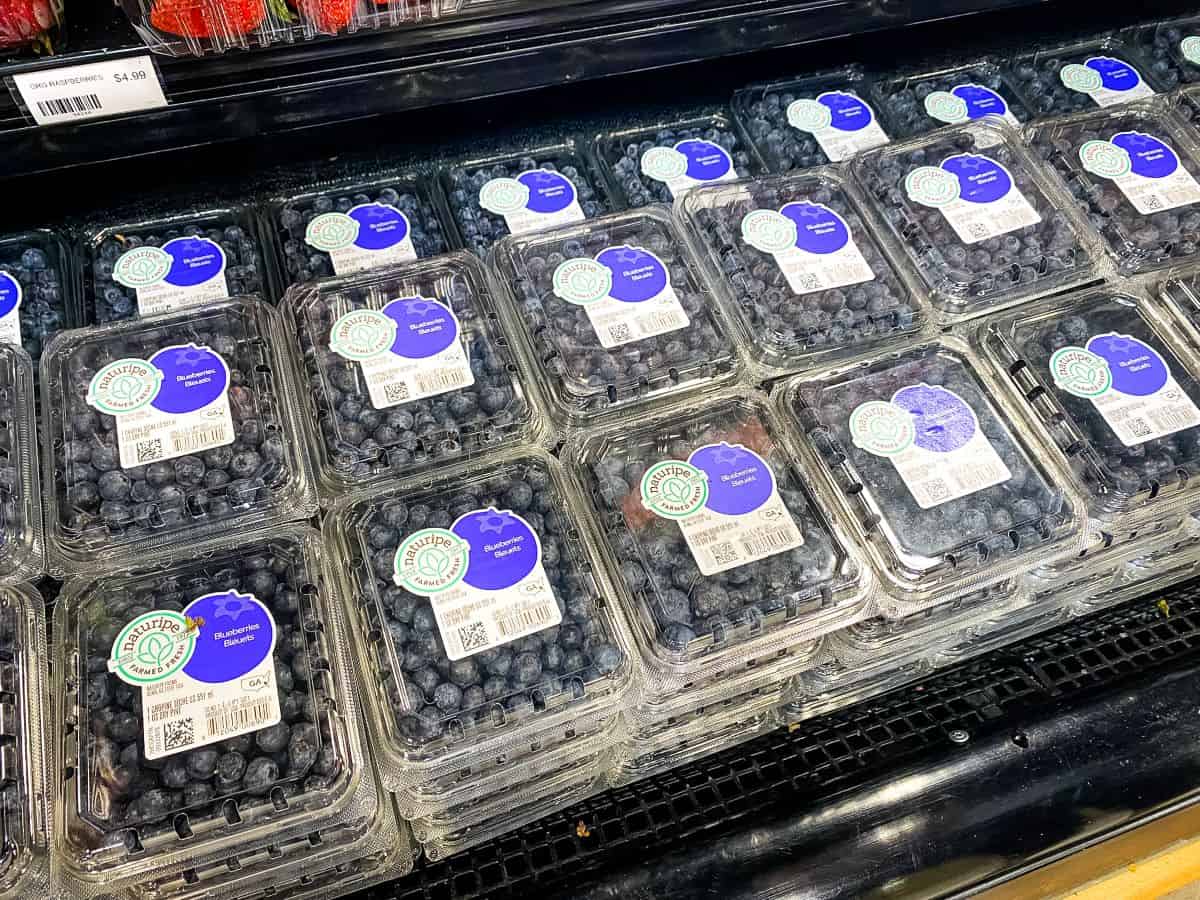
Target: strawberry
[
  {"x": 327, "y": 16},
  {"x": 23, "y": 21},
  {"x": 207, "y": 18}
]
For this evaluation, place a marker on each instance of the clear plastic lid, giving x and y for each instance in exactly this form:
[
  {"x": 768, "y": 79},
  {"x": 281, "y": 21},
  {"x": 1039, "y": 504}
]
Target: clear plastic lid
[
  {"x": 38, "y": 289},
  {"x": 1132, "y": 171},
  {"x": 520, "y": 193},
  {"x": 1116, "y": 385},
  {"x": 351, "y": 227},
  {"x": 799, "y": 123},
  {"x": 1084, "y": 75},
  {"x": 658, "y": 164},
  {"x": 613, "y": 314},
  {"x": 725, "y": 552},
  {"x": 22, "y": 537},
  {"x": 1171, "y": 48},
  {"x": 919, "y": 102},
  {"x": 405, "y": 369},
  {"x": 521, "y": 643},
  {"x": 205, "y": 709},
  {"x": 949, "y": 489},
  {"x": 803, "y": 275},
  {"x": 25, "y": 703},
  {"x": 169, "y": 264},
  {"x": 977, "y": 216},
  {"x": 161, "y": 431}
]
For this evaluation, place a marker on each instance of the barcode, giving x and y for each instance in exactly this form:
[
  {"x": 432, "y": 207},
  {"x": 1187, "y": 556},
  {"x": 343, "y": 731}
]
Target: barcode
[
  {"x": 936, "y": 490},
  {"x": 620, "y": 334},
  {"x": 395, "y": 393},
  {"x": 524, "y": 621},
  {"x": 980, "y": 475},
  {"x": 978, "y": 230},
  {"x": 69, "y": 106},
  {"x": 238, "y": 721},
  {"x": 1180, "y": 196},
  {"x": 198, "y": 439},
  {"x": 767, "y": 542},
  {"x": 809, "y": 281},
  {"x": 1168, "y": 421},
  {"x": 663, "y": 321},
  {"x": 724, "y": 553},
  {"x": 440, "y": 381}
]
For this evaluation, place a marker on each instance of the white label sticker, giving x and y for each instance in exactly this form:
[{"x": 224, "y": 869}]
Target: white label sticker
[
  {"x": 626, "y": 293},
  {"x": 174, "y": 404},
  {"x": 688, "y": 164},
  {"x": 842, "y": 123},
  {"x": 182, "y": 273},
  {"x": 10, "y": 308},
  {"x": 1108, "y": 81},
  {"x": 811, "y": 244},
  {"x": 727, "y": 506},
  {"x": 367, "y": 236},
  {"x": 409, "y": 350},
  {"x": 1130, "y": 385},
  {"x": 540, "y": 198},
  {"x": 1145, "y": 168},
  {"x": 73, "y": 93},
  {"x": 965, "y": 102},
  {"x": 933, "y": 440},
  {"x": 206, "y": 674},
  {"x": 976, "y": 194},
  {"x": 484, "y": 579}
]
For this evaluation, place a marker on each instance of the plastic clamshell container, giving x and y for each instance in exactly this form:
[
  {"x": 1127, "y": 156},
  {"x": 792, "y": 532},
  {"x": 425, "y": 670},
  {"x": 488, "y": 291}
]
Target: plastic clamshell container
[
  {"x": 204, "y": 27},
  {"x": 919, "y": 102},
  {"x": 659, "y": 163},
  {"x": 724, "y": 584},
  {"x": 1071, "y": 77},
  {"x": 22, "y": 535},
  {"x": 353, "y": 226},
  {"x": 1133, "y": 172},
  {"x": 800, "y": 123},
  {"x": 833, "y": 685},
  {"x": 38, "y": 289},
  {"x": 24, "y": 838},
  {"x": 1171, "y": 47},
  {"x": 142, "y": 802},
  {"x": 613, "y": 315},
  {"x": 537, "y": 666},
  {"x": 1113, "y": 379},
  {"x": 406, "y": 368},
  {"x": 949, "y": 488},
  {"x": 521, "y": 193},
  {"x": 797, "y": 263},
  {"x": 171, "y": 263},
  {"x": 978, "y": 217},
  {"x": 214, "y": 452}
]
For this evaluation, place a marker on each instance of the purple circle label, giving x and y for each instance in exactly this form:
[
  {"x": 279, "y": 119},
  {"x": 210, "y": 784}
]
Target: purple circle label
[
  {"x": 503, "y": 548},
  {"x": 10, "y": 294},
  {"x": 1148, "y": 156},
  {"x": 818, "y": 228},
  {"x": 941, "y": 420},
  {"x": 236, "y": 633},
  {"x": 706, "y": 161},
  {"x": 981, "y": 180},
  {"x": 637, "y": 275},
  {"x": 379, "y": 226},
  {"x": 981, "y": 101},
  {"x": 1136, "y": 369},
  {"x": 193, "y": 377},
  {"x": 739, "y": 480},
  {"x": 194, "y": 260},
  {"x": 1114, "y": 74},
  {"x": 549, "y": 192},
  {"x": 848, "y": 112},
  {"x": 423, "y": 327}
]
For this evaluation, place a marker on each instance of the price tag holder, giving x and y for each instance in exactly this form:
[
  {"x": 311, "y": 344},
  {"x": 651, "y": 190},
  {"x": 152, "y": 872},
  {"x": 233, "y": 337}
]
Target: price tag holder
[{"x": 89, "y": 91}]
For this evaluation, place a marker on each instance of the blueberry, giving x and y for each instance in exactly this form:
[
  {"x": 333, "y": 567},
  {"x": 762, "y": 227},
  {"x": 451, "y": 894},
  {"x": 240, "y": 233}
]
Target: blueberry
[
  {"x": 1038, "y": 77},
  {"x": 36, "y": 261},
  {"x": 1159, "y": 45},
  {"x": 261, "y": 775},
  {"x": 919, "y": 103}
]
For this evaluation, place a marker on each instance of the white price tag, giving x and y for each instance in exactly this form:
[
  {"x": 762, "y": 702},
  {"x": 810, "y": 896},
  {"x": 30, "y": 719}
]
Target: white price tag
[{"x": 74, "y": 93}]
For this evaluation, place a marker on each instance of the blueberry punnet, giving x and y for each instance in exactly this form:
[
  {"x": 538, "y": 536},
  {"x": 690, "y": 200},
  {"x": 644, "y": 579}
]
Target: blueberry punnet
[
  {"x": 170, "y": 264},
  {"x": 343, "y": 230},
  {"x": 1172, "y": 49},
  {"x": 35, "y": 289},
  {"x": 1083, "y": 76},
  {"x": 521, "y": 193},
  {"x": 920, "y": 102}
]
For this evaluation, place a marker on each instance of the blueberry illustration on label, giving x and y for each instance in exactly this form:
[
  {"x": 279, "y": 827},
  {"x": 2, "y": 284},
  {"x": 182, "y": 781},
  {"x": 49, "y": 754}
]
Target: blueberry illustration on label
[
  {"x": 192, "y": 378},
  {"x": 932, "y": 186},
  {"x": 882, "y": 428},
  {"x": 1080, "y": 372},
  {"x": 504, "y": 548},
  {"x": 674, "y": 489},
  {"x": 739, "y": 480},
  {"x": 362, "y": 334},
  {"x": 769, "y": 231},
  {"x": 237, "y": 633},
  {"x": 637, "y": 275},
  {"x": 153, "y": 647},
  {"x": 942, "y": 421},
  {"x": 964, "y": 102},
  {"x": 10, "y": 294},
  {"x": 188, "y": 261},
  {"x": 423, "y": 327},
  {"x": 430, "y": 561},
  {"x": 124, "y": 386},
  {"x": 370, "y": 226},
  {"x": 1136, "y": 368},
  {"x": 818, "y": 228}
]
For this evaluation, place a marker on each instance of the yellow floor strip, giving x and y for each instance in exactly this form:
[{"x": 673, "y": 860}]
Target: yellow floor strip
[{"x": 1150, "y": 879}]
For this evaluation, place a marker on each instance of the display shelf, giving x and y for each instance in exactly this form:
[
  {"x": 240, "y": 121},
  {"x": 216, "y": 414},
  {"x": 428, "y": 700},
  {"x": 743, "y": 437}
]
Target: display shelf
[{"x": 966, "y": 778}]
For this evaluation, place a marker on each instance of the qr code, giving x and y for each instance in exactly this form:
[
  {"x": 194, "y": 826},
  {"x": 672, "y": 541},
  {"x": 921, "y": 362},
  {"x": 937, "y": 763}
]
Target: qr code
[
  {"x": 395, "y": 393},
  {"x": 937, "y": 491},
  {"x": 177, "y": 734},
  {"x": 473, "y": 637},
  {"x": 809, "y": 282},
  {"x": 724, "y": 553},
  {"x": 1138, "y": 427},
  {"x": 149, "y": 451},
  {"x": 1152, "y": 203},
  {"x": 620, "y": 334},
  {"x": 978, "y": 231}
]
